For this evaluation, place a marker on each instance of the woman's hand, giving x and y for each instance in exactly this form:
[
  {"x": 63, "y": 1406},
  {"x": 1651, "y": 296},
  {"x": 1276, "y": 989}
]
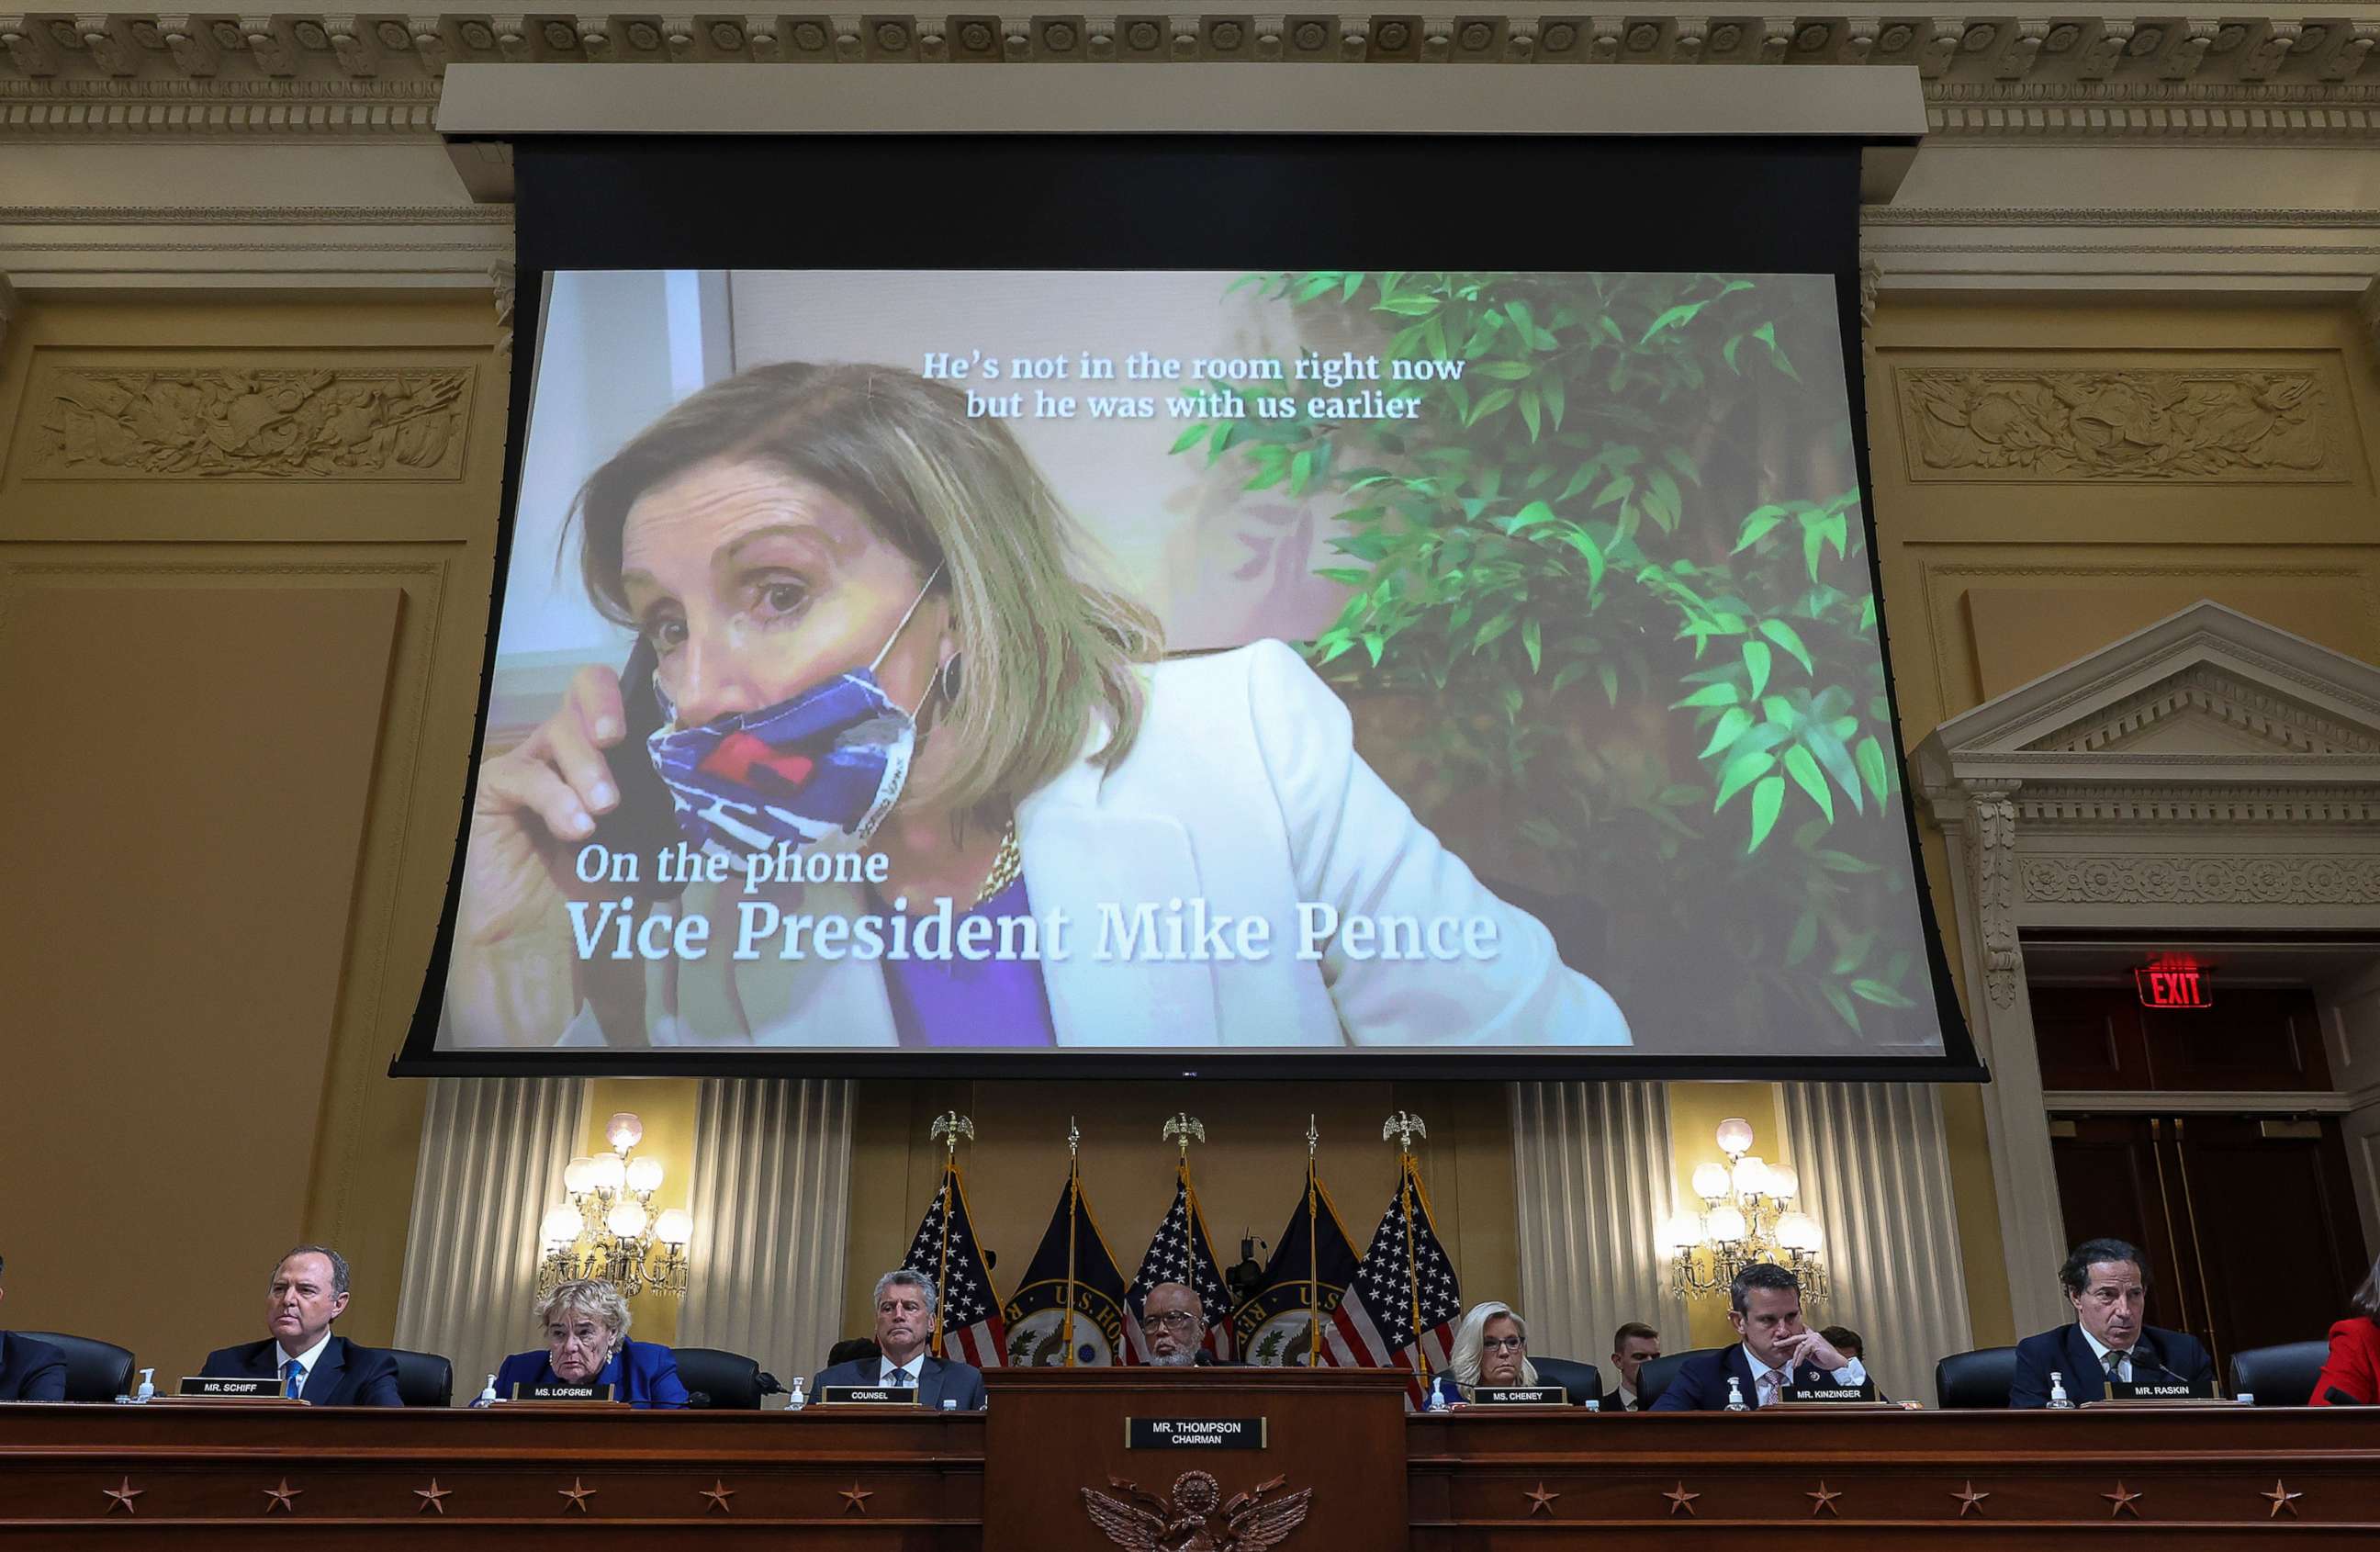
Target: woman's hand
[{"x": 535, "y": 807}]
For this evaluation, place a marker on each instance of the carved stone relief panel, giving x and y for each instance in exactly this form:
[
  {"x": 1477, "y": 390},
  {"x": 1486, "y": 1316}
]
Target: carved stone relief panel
[
  {"x": 2061, "y": 421},
  {"x": 2135, "y": 877},
  {"x": 244, "y": 422}
]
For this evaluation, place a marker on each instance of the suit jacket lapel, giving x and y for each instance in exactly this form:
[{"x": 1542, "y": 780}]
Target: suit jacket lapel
[
  {"x": 323, "y": 1380},
  {"x": 2086, "y": 1377},
  {"x": 930, "y": 1382},
  {"x": 1081, "y": 857},
  {"x": 1739, "y": 1368}
]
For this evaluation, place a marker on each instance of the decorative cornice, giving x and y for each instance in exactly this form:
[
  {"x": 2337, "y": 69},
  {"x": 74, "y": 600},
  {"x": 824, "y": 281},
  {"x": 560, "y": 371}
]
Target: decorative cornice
[
  {"x": 2031, "y": 78},
  {"x": 1887, "y": 216}
]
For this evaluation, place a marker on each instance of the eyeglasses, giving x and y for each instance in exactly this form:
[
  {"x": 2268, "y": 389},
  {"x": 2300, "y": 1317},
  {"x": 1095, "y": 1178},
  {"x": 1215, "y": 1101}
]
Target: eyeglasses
[
  {"x": 1182, "y": 1319},
  {"x": 1505, "y": 1344}
]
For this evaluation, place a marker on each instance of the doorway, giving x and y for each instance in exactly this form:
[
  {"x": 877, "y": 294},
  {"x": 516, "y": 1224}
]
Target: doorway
[{"x": 2246, "y": 1213}]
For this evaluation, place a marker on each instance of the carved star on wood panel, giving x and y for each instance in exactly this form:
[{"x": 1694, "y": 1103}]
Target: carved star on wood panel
[
  {"x": 1969, "y": 1499},
  {"x": 719, "y": 1493},
  {"x": 2282, "y": 1498},
  {"x": 855, "y": 1497},
  {"x": 1540, "y": 1499},
  {"x": 1822, "y": 1500},
  {"x": 578, "y": 1493},
  {"x": 432, "y": 1496},
  {"x": 121, "y": 1498},
  {"x": 284, "y": 1497},
  {"x": 1682, "y": 1501},
  {"x": 2122, "y": 1502}
]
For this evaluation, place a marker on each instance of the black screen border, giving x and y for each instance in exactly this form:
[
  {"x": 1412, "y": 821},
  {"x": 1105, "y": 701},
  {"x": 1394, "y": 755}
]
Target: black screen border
[{"x": 1079, "y": 202}]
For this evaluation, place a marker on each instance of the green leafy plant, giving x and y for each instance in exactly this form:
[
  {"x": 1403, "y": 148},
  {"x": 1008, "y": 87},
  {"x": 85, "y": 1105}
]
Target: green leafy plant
[{"x": 1608, "y": 597}]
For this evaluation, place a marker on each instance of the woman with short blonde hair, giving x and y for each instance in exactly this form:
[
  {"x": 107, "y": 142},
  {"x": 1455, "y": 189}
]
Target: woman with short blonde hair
[{"x": 585, "y": 1323}]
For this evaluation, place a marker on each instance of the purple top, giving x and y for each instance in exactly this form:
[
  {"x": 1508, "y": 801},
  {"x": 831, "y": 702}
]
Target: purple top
[{"x": 959, "y": 1001}]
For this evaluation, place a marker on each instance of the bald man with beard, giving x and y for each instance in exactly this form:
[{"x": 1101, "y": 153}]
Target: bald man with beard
[{"x": 1175, "y": 1324}]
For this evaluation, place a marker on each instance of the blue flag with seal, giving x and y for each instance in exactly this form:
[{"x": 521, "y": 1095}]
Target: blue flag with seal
[
  {"x": 1068, "y": 1308},
  {"x": 1312, "y": 1264}
]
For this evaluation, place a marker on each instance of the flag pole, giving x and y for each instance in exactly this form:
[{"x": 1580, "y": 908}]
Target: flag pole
[
  {"x": 950, "y": 1127},
  {"x": 1312, "y": 1256},
  {"x": 1074, "y": 1194},
  {"x": 1185, "y": 1129},
  {"x": 1406, "y": 1128}
]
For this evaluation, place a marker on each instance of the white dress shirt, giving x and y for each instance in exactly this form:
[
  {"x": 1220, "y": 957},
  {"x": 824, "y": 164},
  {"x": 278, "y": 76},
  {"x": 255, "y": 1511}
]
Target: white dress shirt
[
  {"x": 2099, "y": 1350},
  {"x": 913, "y": 1368},
  {"x": 306, "y": 1362},
  {"x": 1627, "y": 1398},
  {"x": 1850, "y": 1374}
]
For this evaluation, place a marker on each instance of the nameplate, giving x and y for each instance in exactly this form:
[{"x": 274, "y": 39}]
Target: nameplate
[
  {"x": 1194, "y": 1433},
  {"x": 2162, "y": 1390},
  {"x": 869, "y": 1395},
  {"x": 1520, "y": 1395},
  {"x": 559, "y": 1392},
  {"x": 217, "y": 1388},
  {"x": 1833, "y": 1394}
]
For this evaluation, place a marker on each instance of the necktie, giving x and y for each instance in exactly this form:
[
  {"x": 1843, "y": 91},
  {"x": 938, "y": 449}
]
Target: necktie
[
  {"x": 2116, "y": 1363},
  {"x": 293, "y": 1379},
  {"x": 1769, "y": 1383},
  {"x": 903, "y": 1380}
]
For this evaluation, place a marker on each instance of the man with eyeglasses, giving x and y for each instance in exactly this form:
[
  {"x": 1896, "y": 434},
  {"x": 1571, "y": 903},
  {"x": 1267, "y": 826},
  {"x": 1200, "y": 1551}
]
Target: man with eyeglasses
[{"x": 1176, "y": 1326}]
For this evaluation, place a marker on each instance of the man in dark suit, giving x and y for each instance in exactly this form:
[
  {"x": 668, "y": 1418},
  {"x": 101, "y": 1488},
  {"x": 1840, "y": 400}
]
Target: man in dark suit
[
  {"x": 1633, "y": 1346},
  {"x": 904, "y": 1323},
  {"x": 31, "y": 1371},
  {"x": 310, "y": 1291},
  {"x": 1778, "y": 1353},
  {"x": 2105, "y": 1281}
]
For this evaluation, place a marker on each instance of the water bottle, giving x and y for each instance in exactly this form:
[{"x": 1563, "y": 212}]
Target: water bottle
[
  {"x": 1735, "y": 1395},
  {"x": 488, "y": 1396},
  {"x": 148, "y": 1391},
  {"x": 2247, "y": 1398},
  {"x": 2058, "y": 1400},
  {"x": 1436, "y": 1400},
  {"x": 795, "y": 1399}
]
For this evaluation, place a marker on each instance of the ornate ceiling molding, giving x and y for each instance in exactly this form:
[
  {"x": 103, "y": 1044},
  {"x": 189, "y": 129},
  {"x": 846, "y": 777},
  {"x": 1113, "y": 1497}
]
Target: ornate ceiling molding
[{"x": 2022, "y": 73}]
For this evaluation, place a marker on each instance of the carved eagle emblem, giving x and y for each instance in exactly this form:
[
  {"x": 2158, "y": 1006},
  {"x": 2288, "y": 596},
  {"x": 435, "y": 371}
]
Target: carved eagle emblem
[{"x": 1196, "y": 1518}]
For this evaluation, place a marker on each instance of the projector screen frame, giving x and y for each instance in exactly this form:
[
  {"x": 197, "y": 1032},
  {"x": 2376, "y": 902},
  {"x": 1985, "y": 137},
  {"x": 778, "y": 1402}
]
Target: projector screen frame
[{"x": 1048, "y": 168}]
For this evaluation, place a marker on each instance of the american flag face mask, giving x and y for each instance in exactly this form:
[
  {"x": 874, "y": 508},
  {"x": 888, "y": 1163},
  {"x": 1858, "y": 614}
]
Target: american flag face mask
[{"x": 819, "y": 770}]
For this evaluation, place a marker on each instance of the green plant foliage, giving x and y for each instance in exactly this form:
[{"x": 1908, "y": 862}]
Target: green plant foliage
[{"x": 1619, "y": 557}]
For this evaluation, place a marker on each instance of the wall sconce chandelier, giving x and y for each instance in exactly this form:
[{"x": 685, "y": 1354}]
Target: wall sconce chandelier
[
  {"x": 608, "y": 1230},
  {"x": 1748, "y": 1216}
]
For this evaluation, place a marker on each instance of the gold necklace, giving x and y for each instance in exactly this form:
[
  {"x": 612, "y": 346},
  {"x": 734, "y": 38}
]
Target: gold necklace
[{"x": 1006, "y": 864}]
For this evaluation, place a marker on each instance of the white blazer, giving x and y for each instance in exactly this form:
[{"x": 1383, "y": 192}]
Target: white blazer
[{"x": 1244, "y": 789}]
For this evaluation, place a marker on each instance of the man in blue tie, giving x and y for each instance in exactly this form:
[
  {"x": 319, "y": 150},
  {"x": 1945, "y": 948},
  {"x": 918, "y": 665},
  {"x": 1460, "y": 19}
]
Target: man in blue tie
[
  {"x": 905, "y": 1325},
  {"x": 2107, "y": 1282},
  {"x": 309, "y": 1292},
  {"x": 31, "y": 1371}
]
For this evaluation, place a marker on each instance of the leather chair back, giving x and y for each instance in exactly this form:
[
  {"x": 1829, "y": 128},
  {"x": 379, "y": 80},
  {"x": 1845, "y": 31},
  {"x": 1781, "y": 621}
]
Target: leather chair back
[
  {"x": 1655, "y": 1376},
  {"x": 730, "y": 1379},
  {"x": 96, "y": 1371},
  {"x": 2282, "y": 1375},
  {"x": 423, "y": 1379},
  {"x": 1977, "y": 1381},
  {"x": 1584, "y": 1381}
]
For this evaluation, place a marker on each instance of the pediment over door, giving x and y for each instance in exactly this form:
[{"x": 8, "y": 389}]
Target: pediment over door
[{"x": 2204, "y": 696}]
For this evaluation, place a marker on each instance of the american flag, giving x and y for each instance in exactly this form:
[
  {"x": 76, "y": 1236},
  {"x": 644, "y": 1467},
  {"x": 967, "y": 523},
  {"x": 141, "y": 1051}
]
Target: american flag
[
  {"x": 966, "y": 1309},
  {"x": 1181, "y": 1251},
  {"x": 1374, "y": 1325}
]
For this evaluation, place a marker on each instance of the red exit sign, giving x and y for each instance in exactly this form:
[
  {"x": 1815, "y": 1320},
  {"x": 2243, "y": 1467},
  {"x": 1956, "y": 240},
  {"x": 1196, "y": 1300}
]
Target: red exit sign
[{"x": 2173, "y": 986}]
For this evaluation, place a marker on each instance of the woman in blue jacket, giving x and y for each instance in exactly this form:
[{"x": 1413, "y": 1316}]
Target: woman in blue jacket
[{"x": 586, "y": 1326}]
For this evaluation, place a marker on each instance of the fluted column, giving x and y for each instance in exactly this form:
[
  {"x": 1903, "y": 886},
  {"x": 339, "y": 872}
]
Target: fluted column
[
  {"x": 492, "y": 1152},
  {"x": 771, "y": 1206},
  {"x": 1591, "y": 1184},
  {"x": 1875, "y": 1174}
]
